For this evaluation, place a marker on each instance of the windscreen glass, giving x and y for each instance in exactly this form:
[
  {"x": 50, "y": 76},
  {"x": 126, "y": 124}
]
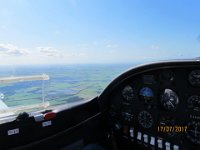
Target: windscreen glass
[{"x": 80, "y": 46}]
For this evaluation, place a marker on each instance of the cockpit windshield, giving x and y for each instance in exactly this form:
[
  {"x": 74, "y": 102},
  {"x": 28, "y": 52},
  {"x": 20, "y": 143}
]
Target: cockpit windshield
[
  {"x": 29, "y": 89},
  {"x": 58, "y": 52}
]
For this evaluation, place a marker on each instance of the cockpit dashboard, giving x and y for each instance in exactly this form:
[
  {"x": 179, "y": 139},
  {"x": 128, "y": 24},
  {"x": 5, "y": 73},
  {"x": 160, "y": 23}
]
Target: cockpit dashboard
[
  {"x": 153, "y": 106},
  {"x": 157, "y": 106}
]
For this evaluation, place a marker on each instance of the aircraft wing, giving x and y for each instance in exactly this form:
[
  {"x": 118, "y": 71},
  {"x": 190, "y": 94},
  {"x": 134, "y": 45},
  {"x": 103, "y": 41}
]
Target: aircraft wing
[
  {"x": 3, "y": 110},
  {"x": 3, "y": 105}
]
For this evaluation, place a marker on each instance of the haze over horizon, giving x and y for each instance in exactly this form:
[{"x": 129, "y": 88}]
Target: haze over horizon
[{"x": 97, "y": 31}]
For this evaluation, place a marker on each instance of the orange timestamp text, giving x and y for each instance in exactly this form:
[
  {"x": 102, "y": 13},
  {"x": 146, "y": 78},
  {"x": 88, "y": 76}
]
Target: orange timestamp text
[{"x": 177, "y": 129}]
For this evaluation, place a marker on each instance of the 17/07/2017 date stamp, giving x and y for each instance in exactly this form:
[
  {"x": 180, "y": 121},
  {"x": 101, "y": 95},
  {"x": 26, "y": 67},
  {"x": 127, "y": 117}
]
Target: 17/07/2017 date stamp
[{"x": 177, "y": 129}]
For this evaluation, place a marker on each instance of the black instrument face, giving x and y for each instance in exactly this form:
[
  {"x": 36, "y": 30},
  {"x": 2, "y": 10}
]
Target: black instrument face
[
  {"x": 193, "y": 132},
  {"x": 169, "y": 99},
  {"x": 194, "y": 103},
  {"x": 167, "y": 77},
  {"x": 126, "y": 114},
  {"x": 194, "y": 78},
  {"x": 128, "y": 93},
  {"x": 145, "y": 119},
  {"x": 164, "y": 100}
]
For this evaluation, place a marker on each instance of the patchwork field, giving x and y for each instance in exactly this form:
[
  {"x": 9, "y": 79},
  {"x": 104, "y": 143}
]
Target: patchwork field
[{"x": 67, "y": 83}]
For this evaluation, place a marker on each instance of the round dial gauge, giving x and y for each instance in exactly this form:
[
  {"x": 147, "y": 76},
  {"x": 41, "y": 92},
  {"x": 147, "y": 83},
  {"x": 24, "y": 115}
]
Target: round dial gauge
[
  {"x": 169, "y": 99},
  {"x": 193, "y": 132},
  {"x": 194, "y": 78},
  {"x": 128, "y": 93},
  {"x": 146, "y": 94},
  {"x": 167, "y": 77},
  {"x": 194, "y": 103},
  {"x": 127, "y": 116},
  {"x": 145, "y": 119}
]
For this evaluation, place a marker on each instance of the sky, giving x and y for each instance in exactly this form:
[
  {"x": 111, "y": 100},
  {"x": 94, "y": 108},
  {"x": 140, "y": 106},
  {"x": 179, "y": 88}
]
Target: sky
[{"x": 98, "y": 31}]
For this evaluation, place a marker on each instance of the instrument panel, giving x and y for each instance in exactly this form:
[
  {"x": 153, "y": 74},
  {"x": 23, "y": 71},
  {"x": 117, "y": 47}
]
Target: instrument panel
[{"x": 158, "y": 108}]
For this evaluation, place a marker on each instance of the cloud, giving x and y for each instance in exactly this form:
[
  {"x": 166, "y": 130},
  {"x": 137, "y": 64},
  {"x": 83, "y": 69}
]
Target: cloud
[
  {"x": 155, "y": 47},
  {"x": 57, "y": 32},
  {"x": 75, "y": 54},
  {"x": 3, "y": 27},
  {"x": 111, "y": 51},
  {"x": 12, "y": 50},
  {"x": 112, "y": 46},
  {"x": 49, "y": 51}
]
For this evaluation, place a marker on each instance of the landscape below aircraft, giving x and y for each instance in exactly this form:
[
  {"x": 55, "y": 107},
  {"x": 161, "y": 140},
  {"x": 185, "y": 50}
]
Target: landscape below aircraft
[{"x": 152, "y": 106}]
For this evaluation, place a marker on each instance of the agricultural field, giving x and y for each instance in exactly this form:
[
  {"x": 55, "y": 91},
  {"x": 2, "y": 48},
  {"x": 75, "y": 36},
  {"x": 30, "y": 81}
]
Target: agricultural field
[{"x": 68, "y": 83}]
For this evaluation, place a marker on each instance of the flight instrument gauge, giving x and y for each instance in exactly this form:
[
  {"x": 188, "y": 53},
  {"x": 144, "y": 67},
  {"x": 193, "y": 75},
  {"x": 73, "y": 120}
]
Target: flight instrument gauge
[
  {"x": 169, "y": 99},
  {"x": 145, "y": 119},
  {"x": 167, "y": 77},
  {"x": 193, "y": 132},
  {"x": 146, "y": 94},
  {"x": 127, "y": 116},
  {"x": 128, "y": 93},
  {"x": 194, "y": 102},
  {"x": 194, "y": 78}
]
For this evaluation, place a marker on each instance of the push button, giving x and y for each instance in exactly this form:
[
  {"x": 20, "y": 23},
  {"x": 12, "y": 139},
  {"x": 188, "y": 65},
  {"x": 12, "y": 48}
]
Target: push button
[
  {"x": 152, "y": 142},
  {"x": 160, "y": 143},
  {"x": 167, "y": 146},
  {"x": 39, "y": 117},
  {"x": 49, "y": 115},
  {"x": 176, "y": 147},
  {"x": 146, "y": 140},
  {"x": 139, "y": 136},
  {"x": 131, "y": 132}
]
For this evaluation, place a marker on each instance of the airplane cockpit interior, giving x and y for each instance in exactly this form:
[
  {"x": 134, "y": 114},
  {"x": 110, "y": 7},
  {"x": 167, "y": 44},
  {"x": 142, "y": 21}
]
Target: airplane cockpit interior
[
  {"x": 152, "y": 106},
  {"x": 99, "y": 75}
]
